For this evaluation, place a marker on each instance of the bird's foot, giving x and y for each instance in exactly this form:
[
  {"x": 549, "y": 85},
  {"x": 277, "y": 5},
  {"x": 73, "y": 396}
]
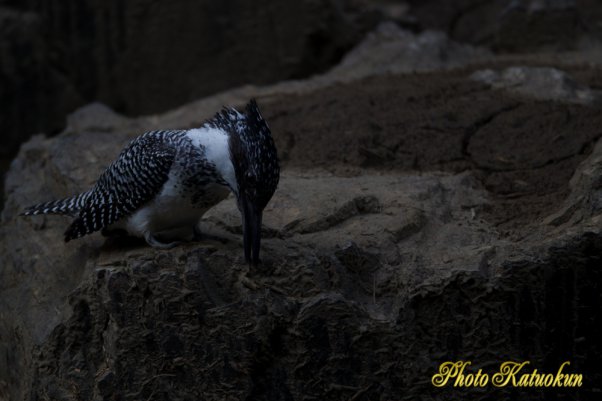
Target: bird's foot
[{"x": 155, "y": 243}]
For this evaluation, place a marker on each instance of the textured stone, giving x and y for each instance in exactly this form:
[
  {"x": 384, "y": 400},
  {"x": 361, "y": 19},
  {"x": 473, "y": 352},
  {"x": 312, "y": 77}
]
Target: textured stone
[
  {"x": 420, "y": 218},
  {"x": 538, "y": 82},
  {"x": 145, "y": 56},
  {"x": 389, "y": 49},
  {"x": 518, "y": 26}
]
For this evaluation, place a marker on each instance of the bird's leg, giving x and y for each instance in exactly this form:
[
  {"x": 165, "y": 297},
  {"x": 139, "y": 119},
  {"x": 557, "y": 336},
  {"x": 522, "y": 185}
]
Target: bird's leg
[{"x": 155, "y": 243}]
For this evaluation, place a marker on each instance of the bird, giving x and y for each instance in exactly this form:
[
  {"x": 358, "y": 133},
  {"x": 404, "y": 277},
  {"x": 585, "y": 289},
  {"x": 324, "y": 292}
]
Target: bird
[{"x": 165, "y": 180}]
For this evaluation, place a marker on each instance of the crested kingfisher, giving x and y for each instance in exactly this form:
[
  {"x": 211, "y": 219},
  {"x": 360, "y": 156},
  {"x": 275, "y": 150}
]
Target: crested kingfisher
[{"x": 166, "y": 180}]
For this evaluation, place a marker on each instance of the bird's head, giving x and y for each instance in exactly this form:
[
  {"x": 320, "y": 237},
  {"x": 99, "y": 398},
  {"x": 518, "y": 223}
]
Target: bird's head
[{"x": 257, "y": 171}]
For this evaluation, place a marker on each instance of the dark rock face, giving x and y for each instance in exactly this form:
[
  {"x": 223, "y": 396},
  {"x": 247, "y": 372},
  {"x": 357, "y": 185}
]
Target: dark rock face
[
  {"x": 146, "y": 56},
  {"x": 34, "y": 95},
  {"x": 421, "y": 218},
  {"x": 425, "y": 237},
  {"x": 513, "y": 25},
  {"x": 170, "y": 328}
]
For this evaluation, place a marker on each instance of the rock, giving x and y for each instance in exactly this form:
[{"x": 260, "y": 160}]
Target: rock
[
  {"x": 145, "y": 56},
  {"x": 513, "y": 26},
  {"x": 34, "y": 95},
  {"x": 420, "y": 218},
  {"x": 538, "y": 82},
  {"x": 538, "y": 25},
  {"x": 389, "y": 49}
]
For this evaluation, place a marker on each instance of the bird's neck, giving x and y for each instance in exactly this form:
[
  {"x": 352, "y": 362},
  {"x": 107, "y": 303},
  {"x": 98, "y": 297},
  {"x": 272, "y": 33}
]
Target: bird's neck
[{"x": 215, "y": 144}]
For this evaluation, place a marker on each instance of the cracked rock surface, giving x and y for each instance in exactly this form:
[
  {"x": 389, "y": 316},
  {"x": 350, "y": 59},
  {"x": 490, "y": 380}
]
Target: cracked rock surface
[{"x": 420, "y": 218}]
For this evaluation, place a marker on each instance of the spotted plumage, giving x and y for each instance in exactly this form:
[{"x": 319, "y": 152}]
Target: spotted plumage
[{"x": 165, "y": 180}]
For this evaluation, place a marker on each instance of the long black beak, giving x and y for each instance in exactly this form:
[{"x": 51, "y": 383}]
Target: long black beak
[{"x": 251, "y": 221}]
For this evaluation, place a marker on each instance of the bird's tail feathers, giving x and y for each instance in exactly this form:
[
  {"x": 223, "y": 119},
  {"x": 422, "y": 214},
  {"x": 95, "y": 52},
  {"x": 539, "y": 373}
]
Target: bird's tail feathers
[{"x": 67, "y": 206}]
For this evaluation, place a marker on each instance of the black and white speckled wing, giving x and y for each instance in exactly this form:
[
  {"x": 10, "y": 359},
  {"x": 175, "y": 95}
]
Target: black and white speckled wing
[{"x": 132, "y": 180}]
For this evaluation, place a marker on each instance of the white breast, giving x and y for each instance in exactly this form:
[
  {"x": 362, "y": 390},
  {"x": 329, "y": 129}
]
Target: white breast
[{"x": 217, "y": 151}]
